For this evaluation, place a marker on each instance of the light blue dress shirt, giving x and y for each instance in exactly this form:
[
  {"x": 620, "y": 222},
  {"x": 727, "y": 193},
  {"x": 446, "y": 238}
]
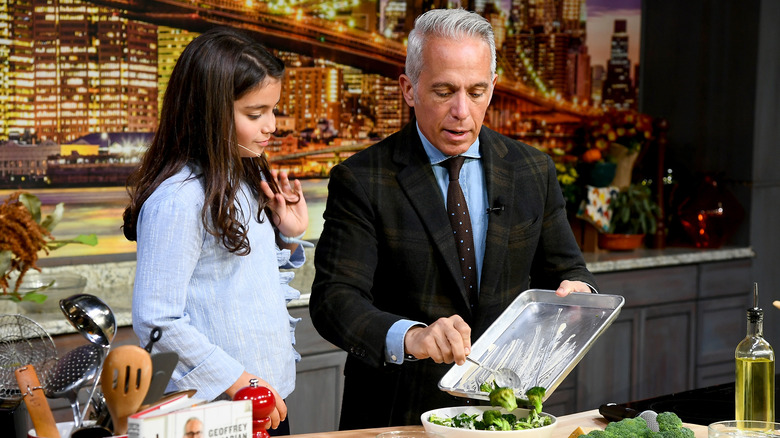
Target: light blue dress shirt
[
  {"x": 221, "y": 312},
  {"x": 472, "y": 182}
]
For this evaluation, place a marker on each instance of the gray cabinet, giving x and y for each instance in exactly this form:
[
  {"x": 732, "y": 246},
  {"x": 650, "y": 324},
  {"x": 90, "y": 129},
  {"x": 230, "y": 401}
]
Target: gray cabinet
[
  {"x": 315, "y": 405},
  {"x": 677, "y": 331}
]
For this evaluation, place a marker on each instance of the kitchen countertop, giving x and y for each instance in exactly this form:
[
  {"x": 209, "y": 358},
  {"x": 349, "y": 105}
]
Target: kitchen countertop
[
  {"x": 566, "y": 425},
  {"x": 112, "y": 282}
]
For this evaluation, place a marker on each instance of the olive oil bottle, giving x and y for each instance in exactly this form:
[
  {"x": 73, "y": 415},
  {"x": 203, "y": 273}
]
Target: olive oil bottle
[{"x": 755, "y": 385}]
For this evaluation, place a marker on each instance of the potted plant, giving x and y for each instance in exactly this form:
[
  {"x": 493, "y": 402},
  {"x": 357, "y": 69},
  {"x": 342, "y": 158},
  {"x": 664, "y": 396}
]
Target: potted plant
[
  {"x": 634, "y": 213},
  {"x": 25, "y": 234}
]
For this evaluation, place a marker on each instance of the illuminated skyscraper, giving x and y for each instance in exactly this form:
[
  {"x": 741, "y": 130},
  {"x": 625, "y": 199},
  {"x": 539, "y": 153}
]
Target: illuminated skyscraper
[
  {"x": 386, "y": 102},
  {"x": 17, "y": 90},
  {"x": 393, "y": 20},
  {"x": 311, "y": 94},
  {"x": 618, "y": 91},
  {"x": 75, "y": 68},
  {"x": 170, "y": 43},
  {"x": 497, "y": 19}
]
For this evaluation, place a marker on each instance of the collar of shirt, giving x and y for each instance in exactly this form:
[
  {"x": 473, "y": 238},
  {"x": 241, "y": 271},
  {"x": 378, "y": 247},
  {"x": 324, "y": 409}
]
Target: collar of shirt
[{"x": 436, "y": 156}]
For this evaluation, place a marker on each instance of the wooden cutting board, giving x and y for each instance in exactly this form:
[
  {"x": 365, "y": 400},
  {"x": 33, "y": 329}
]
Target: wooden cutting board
[{"x": 567, "y": 424}]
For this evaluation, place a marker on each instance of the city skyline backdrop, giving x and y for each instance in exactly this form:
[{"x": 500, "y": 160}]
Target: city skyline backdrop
[{"x": 71, "y": 70}]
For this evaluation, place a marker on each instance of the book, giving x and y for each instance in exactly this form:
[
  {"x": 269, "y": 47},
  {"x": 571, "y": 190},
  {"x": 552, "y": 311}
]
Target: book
[{"x": 179, "y": 418}]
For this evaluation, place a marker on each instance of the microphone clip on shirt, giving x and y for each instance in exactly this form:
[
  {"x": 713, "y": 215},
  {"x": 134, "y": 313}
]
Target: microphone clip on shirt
[{"x": 497, "y": 208}]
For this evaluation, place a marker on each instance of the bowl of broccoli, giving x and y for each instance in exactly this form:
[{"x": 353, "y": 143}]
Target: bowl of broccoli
[{"x": 485, "y": 421}]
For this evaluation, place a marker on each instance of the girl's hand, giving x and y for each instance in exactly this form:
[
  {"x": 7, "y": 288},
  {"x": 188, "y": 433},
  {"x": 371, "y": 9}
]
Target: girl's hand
[
  {"x": 291, "y": 218},
  {"x": 280, "y": 411}
]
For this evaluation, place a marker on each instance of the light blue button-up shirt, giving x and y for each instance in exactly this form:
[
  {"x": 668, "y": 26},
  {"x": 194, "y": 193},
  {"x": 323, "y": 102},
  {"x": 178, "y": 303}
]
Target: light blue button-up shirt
[
  {"x": 222, "y": 313},
  {"x": 472, "y": 182}
]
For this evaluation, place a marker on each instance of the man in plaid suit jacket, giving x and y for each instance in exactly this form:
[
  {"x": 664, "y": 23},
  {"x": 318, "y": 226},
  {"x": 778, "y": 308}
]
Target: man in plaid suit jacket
[{"x": 388, "y": 287}]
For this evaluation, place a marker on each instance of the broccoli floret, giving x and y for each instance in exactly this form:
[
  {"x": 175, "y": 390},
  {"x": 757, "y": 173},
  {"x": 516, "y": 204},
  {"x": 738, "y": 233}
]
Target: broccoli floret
[
  {"x": 670, "y": 426},
  {"x": 488, "y": 387},
  {"x": 504, "y": 397},
  {"x": 668, "y": 421},
  {"x": 493, "y": 420},
  {"x": 629, "y": 427},
  {"x": 682, "y": 432},
  {"x": 534, "y": 399}
]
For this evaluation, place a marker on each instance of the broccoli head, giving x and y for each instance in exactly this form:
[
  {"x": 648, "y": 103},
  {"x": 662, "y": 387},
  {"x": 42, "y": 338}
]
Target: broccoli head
[
  {"x": 535, "y": 396},
  {"x": 629, "y": 427},
  {"x": 682, "y": 432},
  {"x": 668, "y": 421},
  {"x": 493, "y": 420},
  {"x": 504, "y": 397},
  {"x": 670, "y": 426}
]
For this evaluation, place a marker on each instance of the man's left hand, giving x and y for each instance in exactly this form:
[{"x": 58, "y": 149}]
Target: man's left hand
[{"x": 568, "y": 287}]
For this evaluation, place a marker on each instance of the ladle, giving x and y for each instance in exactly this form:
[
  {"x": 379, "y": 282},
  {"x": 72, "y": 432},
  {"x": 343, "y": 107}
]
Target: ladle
[
  {"x": 505, "y": 378},
  {"x": 91, "y": 317},
  {"x": 95, "y": 321}
]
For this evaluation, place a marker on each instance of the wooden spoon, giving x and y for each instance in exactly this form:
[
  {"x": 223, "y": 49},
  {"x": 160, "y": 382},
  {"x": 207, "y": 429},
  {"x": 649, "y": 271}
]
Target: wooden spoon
[
  {"x": 35, "y": 400},
  {"x": 125, "y": 380}
]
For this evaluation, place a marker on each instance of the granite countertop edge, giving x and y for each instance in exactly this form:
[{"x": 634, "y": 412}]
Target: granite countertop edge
[{"x": 112, "y": 282}]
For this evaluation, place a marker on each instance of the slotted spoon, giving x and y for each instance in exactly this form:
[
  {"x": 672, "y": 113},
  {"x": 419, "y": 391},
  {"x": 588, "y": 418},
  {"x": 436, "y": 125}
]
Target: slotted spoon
[
  {"x": 73, "y": 370},
  {"x": 125, "y": 380}
]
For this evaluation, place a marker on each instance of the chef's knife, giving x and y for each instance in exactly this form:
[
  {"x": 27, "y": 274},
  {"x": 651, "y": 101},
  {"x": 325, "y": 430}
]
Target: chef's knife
[{"x": 613, "y": 412}]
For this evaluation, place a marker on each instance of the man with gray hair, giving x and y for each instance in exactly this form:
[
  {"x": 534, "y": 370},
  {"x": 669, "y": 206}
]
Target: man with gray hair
[{"x": 417, "y": 256}]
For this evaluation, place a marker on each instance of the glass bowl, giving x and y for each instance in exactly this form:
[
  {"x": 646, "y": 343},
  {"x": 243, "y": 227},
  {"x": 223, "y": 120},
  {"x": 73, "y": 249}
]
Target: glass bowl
[
  {"x": 740, "y": 429},
  {"x": 63, "y": 284}
]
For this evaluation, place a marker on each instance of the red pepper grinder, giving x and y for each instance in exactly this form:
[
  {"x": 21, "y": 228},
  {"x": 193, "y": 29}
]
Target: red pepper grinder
[{"x": 263, "y": 403}]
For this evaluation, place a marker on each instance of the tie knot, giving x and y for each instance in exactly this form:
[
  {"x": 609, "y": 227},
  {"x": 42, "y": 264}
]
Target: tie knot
[{"x": 453, "y": 165}]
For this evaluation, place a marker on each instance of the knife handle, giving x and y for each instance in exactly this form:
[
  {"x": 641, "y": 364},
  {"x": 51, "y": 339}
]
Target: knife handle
[
  {"x": 613, "y": 412},
  {"x": 35, "y": 400}
]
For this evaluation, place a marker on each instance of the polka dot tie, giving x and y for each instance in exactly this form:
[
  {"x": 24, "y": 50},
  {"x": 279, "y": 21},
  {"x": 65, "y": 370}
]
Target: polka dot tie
[{"x": 458, "y": 212}]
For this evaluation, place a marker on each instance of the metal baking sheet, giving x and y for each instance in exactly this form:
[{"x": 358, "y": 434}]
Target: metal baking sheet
[{"x": 540, "y": 336}]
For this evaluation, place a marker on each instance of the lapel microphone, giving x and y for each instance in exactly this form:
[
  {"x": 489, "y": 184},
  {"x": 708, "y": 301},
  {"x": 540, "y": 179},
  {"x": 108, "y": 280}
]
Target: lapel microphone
[{"x": 497, "y": 208}]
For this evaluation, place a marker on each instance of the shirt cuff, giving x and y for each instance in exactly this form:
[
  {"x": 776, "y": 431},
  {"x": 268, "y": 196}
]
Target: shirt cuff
[
  {"x": 592, "y": 289},
  {"x": 394, "y": 341}
]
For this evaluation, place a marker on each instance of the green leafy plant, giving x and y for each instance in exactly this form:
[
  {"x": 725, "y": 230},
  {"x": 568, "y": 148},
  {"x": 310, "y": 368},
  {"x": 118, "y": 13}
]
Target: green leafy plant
[
  {"x": 24, "y": 234},
  {"x": 634, "y": 211}
]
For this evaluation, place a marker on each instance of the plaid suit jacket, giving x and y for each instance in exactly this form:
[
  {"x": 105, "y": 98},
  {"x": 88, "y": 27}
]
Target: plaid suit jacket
[{"x": 387, "y": 253}]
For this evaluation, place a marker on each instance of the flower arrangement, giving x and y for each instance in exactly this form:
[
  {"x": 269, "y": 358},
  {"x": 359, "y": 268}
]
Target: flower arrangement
[
  {"x": 567, "y": 179},
  {"x": 24, "y": 234},
  {"x": 628, "y": 128}
]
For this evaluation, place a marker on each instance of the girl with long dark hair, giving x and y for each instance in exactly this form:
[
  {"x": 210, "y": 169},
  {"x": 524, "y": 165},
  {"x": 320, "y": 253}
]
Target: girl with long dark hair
[{"x": 214, "y": 224}]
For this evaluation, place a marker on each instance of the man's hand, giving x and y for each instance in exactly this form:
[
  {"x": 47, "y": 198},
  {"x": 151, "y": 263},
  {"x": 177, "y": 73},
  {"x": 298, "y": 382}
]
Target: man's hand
[
  {"x": 568, "y": 287},
  {"x": 445, "y": 341}
]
